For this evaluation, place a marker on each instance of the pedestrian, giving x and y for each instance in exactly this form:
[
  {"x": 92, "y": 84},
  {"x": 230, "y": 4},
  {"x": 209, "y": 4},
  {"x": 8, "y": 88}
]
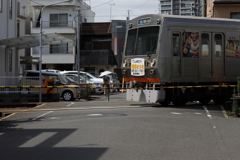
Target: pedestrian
[{"x": 106, "y": 80}]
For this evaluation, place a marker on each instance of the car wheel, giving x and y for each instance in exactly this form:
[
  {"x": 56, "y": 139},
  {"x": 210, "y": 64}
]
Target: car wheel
[
  {"x": 67, "y": 96},
  {"x": 24, "y": 91}
]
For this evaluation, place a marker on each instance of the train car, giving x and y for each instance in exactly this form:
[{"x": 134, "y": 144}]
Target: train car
[{"x": 178, "y": 59}]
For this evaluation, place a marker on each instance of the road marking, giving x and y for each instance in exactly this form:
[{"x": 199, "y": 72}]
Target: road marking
[
  {"x": 221, "y": 146},
  {"x": 54, "y": 118},
  {"x": 94, "y": 115},
  {"x": 69, "y": 104},
  {"x": 7, "y": 116},
  {"x": 224, "y": 112},
  {"x": 207, "y": 112},
  {"x": 198, "y": 113},
  {"x": 37, "y": 140},
  {"x": 41, "y": 115},
  {"x": 175, "y": 113}
]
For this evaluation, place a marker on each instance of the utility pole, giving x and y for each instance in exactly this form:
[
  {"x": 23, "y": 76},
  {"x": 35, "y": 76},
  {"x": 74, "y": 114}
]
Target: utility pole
[
  {"x": 128, "y": 17},
  {"x": 111, "y": 10},
  {"x": 78, "y": 43}
]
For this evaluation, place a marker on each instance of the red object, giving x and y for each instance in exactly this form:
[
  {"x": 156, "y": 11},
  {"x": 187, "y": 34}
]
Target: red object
[
  {"x": 236, "y": 54},
  {"x": 195, "y": 52}
]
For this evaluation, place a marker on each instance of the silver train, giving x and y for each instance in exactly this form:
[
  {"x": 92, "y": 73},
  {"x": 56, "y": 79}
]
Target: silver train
[{"x": 179, "y": 59}]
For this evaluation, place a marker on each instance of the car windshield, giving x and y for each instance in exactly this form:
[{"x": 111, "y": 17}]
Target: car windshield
[
  {"x": 142, "y": 41},
  {"x": 64, "y": 79},
  {"x": 74, "y": 78}
]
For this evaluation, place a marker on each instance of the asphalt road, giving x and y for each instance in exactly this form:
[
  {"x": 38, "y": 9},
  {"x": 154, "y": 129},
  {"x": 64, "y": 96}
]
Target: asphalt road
[{"x": 120, "y": 130}]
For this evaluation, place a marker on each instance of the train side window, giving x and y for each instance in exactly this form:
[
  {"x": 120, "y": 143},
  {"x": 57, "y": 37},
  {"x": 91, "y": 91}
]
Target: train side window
[
  {"x": 218, "y": 45},
  {"x": 175, "y": 44},
  {"x": 205, "y": 44}
]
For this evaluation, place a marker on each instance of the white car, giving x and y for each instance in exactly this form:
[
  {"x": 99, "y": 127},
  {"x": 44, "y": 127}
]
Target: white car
[
  {"x": 88, "y": 78},
  {"x": 31, "y": 78}
]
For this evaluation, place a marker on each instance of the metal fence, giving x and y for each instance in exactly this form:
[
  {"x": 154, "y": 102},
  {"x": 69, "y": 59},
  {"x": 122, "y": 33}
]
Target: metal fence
[{"x": 17, "y": 84}]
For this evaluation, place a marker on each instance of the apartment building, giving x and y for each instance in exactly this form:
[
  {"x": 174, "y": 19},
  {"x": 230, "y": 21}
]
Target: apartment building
[
  {"x": 59, "y": 24},
  {"x": 12, "y": 25},
  {"x": 181, "y": 7},
  {"x": 102, "y": 46},
  {"x": 223, "y": 9}
]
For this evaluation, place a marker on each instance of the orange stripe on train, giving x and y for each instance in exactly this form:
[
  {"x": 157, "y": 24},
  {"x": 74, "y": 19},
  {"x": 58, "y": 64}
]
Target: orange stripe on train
[{"x": 152, "y": 80}]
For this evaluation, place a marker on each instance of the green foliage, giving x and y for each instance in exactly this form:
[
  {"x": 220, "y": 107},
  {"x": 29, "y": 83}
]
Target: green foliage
[{"x": 86, "y": 92}]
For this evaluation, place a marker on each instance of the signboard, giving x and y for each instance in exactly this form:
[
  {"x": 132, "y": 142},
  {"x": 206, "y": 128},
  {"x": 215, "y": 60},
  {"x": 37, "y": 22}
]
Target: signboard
[
  {"x": 137, "y": 67},
  {"x": 144, "y": 21}
]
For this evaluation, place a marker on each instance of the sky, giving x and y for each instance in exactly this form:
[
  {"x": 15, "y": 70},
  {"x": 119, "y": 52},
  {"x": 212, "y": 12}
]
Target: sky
[{"x": 119, "y": 8}]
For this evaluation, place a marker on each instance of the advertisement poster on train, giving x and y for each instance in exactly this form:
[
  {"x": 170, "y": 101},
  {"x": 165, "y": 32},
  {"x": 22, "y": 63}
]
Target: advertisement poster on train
[
  {"x": 232, "y": 46},
  {"x": 137, "y": 67},
  {"x": 191, "y": 44}
]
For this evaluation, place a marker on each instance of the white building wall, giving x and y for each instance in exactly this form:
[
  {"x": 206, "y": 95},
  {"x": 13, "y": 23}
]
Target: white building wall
[
  {"x": 8, "y": 30},
  {"x": 63, "y": 8}
]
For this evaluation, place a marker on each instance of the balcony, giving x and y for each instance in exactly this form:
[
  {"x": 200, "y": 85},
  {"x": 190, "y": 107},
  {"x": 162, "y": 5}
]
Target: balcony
[
  {"x": 56, "y": 54},
  {"x": 53, "y": 27}
]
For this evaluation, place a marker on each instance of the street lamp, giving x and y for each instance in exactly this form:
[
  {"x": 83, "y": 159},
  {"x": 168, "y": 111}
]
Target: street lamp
[{"x": 40, "y": 46}]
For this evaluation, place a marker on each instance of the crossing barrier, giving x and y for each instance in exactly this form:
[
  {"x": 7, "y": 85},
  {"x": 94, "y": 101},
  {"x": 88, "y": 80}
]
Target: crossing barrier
[{"x": 160, "y": 87}]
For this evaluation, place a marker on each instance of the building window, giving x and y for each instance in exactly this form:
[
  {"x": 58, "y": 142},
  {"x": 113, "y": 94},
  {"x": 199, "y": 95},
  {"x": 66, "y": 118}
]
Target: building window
[
  {"x": 10, "y": 60},
  {"x": 10, "y": 9},
  {"x": 59, "y": 48},
  {"x": 235, "y": 15},
  {"x": 58, "y": 20},
  {"x": 0, "y": 6}
]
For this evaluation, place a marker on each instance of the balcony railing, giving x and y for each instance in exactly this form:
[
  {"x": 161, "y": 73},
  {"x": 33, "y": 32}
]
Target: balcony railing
[
  {"x": 49, "y": 24},
  {"x": 54, "y": 49}
]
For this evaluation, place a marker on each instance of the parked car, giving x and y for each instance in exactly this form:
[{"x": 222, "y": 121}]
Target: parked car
[
  {"x": 88, "y": 78},
  {"x": 114, "y": 81},
  {"x": 31, "y": 78},
  {"x": 51, "y": 70}
]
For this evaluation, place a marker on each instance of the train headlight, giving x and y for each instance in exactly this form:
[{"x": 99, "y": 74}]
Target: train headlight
[
  {"x": 153, "y": 62},
  {"x": 125, "y": 63}
]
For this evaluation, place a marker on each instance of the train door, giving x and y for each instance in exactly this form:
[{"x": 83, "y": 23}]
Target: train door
[
  {"x": 176, "y": 55},
  {"x": 211, "y": 55},
  {"x": 205, "y": 69},
  {"x": 217, "y": 55}
]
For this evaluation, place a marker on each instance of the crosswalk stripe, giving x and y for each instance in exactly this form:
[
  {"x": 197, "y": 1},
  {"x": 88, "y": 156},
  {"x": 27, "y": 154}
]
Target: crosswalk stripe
[{"x": 34, "y": 141}]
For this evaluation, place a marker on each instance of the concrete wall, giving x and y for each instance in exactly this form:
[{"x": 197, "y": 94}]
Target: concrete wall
[{"x": 221, "y": 10}]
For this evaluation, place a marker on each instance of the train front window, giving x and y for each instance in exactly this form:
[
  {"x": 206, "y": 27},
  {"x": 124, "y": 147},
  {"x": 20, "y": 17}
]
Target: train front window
[
  {"x": 130, "y": 48},
  {"x": 143, "y": 42},
  {"x": 147, "y": 40}
]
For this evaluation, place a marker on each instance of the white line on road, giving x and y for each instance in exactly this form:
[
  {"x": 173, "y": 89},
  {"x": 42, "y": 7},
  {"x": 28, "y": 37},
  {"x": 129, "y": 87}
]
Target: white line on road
[
  {"x": 206, "y": 110},
  {"x": 94, "y": 115},
  {"x": 37, "y": 139},
  {"x": 69, "y": 104},
  {"x": 41, "y": 115},
  {"x": 175, "y": 113},
  {"x": 222, "y": 149}
]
